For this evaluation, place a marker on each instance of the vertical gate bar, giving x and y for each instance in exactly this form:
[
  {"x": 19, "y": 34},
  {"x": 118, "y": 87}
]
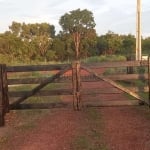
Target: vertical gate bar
[
  {"x": 2, "y": 120},
  {"x": 149, "y": 80},
  {"x": 74, "y": 84},
  {"x": 5, "y": 88},
  {"x": 78, "y": 85}
]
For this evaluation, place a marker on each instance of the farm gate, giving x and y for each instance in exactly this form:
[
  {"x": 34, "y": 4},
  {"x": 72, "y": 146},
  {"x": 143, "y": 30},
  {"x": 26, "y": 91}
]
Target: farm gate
[{"x": 75, "y": 78}]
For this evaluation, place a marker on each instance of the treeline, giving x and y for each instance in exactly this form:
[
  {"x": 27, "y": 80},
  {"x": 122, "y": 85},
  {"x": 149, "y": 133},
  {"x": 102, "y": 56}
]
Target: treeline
[{"x": 38, "y": 42}]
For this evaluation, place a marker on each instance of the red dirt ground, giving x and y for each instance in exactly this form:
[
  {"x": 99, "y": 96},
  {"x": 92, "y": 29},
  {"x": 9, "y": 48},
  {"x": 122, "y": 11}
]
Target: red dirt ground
[{"x": 125, "y": 128}]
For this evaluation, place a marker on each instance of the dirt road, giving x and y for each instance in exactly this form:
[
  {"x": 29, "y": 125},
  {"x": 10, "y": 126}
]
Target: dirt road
[{"x": 111, "y": 128}]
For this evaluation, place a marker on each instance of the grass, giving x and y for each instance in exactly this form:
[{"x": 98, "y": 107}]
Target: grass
[
  {"x": 38, "y": 98},
  {"x": 34, "y": 74},
  {"x": 135, "y": 83},
  {"x": 4, "y": 140},
  {"x": 104, "y": 58},
  {"x": 28, "y": 119},
  {"x": 91, "y": 137},
  {"x": 44, "y": 99}
]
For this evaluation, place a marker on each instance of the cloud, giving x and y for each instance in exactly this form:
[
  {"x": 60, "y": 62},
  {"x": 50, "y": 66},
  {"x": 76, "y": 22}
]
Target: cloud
[{"x": 115, "y": 15}]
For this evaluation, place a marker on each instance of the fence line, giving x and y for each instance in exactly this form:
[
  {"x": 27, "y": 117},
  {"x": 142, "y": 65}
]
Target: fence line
[{"x": 4, "y": 82}]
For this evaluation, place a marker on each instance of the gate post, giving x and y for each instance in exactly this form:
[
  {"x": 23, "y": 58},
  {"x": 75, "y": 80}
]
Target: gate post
[
  {"x": 2, "y": 104},
  {"x": 76, "y": 85},
  {"x": 149, "y": 79},
  {"x": 5, "y": 88}
]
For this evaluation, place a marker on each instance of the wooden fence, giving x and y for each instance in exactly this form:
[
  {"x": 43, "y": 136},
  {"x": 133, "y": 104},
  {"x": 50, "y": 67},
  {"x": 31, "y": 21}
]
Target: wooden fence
[
  {"x": 43, "y": 81},
  {"x": 5, "y": 106}
]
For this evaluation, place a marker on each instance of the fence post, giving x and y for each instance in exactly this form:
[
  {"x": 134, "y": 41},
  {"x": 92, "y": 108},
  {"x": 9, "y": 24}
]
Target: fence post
[
  {"x": 149, "y": 79},
  {"x": 5, "y": 89},
  {"x": 76, "y": 84},
  {"x": 2, "y": 103}
]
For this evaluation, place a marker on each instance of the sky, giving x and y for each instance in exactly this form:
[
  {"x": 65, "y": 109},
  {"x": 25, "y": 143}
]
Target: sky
[{"x": 118, "y": 16}]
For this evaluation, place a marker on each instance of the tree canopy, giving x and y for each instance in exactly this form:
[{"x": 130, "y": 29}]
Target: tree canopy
[{"x": 79, "y": 23}]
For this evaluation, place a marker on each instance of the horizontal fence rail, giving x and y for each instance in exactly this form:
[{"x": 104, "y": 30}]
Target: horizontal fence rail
[
  {"x": 88, "y": 78},
  {"x": 116, "y": 64},
  {"x": 36, "y": 68}
]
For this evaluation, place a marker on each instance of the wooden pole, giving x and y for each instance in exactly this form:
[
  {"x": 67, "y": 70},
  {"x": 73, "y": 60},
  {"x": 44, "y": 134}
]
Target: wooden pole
[
  {"x": 149, "y": 79},
  {"x": 2, "y": 112},
  {"x": 76, "y": 85},
  {"x": 5, "y": 88},
  {"x": 138, "y": 31}
]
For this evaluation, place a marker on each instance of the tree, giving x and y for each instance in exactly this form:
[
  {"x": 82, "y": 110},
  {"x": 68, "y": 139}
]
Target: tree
[
  {"x": 109, "y": 44},
  {"x": 77, "y": 23},
  {"x": 37, "y": 38},
  {"x": 146, "y": 45},
  {"x": 15, "y": 28},
  {"x": 128, "y": 46}
]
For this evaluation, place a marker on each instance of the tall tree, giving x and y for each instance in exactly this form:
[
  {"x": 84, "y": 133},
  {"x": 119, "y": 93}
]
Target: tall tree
[
  {"x": 146, "y": 45},
  {"x": 77, "y": 23},
  {"x": 38, "y": 36},
  {"x": 109, "y": 44},
  {"x": 128, "y": 46}
]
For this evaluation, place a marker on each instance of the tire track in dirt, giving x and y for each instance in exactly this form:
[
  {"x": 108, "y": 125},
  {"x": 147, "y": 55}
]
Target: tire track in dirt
[
  {"x": 53, "y": 132},
  {"x": 126, "y": 128}
]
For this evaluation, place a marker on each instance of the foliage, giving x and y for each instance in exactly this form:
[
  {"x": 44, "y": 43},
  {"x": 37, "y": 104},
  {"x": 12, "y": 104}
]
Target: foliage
[
  {"x": 146, "y": 46},
  {"x": 109, "y": 43},
  {"x": 80, "y": 24},
  {"x": 104, "y": 58},
  {"x": 27, "y": 42},
  {"x": 37, "y": 42},
  {"x": 128, "y": 46}
]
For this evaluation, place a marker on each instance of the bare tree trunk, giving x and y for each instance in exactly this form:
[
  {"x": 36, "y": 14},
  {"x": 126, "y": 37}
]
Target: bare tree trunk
[{"x": 76, "y": 38}]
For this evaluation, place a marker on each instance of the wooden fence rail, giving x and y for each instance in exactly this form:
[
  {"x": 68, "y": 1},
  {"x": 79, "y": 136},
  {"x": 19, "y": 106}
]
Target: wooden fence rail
[
  {"x": 117, "y": 64},
  {"x": 36, "y": 68},
  {"x": 62, "y": 66},
  {"x": 88, "y": 78}
]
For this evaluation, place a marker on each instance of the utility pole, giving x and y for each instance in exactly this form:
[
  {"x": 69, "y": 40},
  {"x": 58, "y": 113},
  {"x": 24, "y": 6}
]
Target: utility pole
[{"x": 138, "y": 31}]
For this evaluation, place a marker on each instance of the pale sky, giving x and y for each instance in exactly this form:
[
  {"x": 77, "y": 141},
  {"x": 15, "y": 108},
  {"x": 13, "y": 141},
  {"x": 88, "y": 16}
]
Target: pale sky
[{"x": 115, "y": 15}]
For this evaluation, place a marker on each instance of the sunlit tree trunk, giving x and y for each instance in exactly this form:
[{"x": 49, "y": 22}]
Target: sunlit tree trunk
[{"x": 76, "y": 38}]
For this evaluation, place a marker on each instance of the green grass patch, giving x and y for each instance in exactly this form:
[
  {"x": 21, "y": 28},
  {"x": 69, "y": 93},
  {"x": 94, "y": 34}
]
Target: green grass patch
[
  {"x": 43, "y": 99},
  {"x": 27, "y": 119},
  {"x": 28, "y": 87},
  {"x": 129, "y": 96},
  {"x": 81, "y": 143},
  {"x": 54, "y": 86},
  {"x": 91, "y": 137},
  {"x": 4, "y": 140},
  {"x": 104, "y": 58},
  {"x": 113, "y": 71},
  {"x": 25, "y": 87},
  {"x": 135, "y": 83}
]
